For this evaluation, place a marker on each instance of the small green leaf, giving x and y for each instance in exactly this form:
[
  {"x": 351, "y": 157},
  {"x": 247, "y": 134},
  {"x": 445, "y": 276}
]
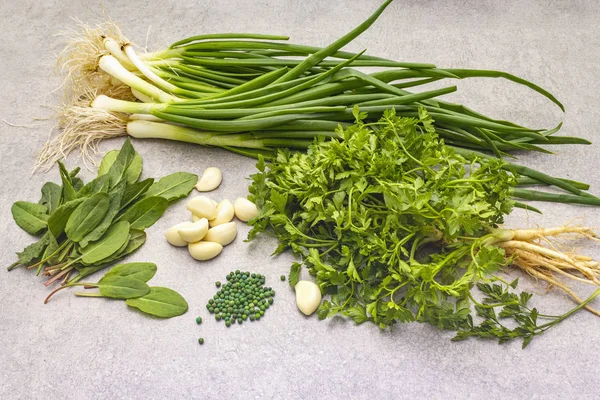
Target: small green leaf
[
  {"x": 110, "y": 243},
  {"x": 50, "y": 196},
  {"x": 135, "y": 191},
  {"x": 143, "y": 271},
  {"x": 107, "y": 161},
  {"x": 118, "y": 169},
  {"x": 87, "y": 216},
  {"x": 115, "y": 196},
  {"x": 99, "y": 184},
  {"x": 173, "y": 186},
  {"x": 31, "y": 217},
  {"x": 58, "y": 220},
  {"x": 68, "y": 191},
  {"x": 133, "y": 171},
  {"x": 34, "y": 251},
  {"x": 323, "y": 310},
  {"x": 294, "y": 274},
  {"x": 136, "y": 240},
  {"x": 145, "y": 213},
  {"x": 122, "y": 287},
  {"x": 161, "y": 302}
]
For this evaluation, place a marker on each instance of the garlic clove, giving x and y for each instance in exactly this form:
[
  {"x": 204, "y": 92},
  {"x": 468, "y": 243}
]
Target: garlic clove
[
  {"x": 202, "y": 207},
  {"x": 210, "y": 180},
  {"x": 195, "y": 218},
  {"x": 222, "y": 234},
  {"x": 225, "y": 213},
  {"x": 173, "y": 237},
  {"x": 195, "y": 231},
  {"x": 203, "y": 251},
  {"x": 244, "y": 209},
  {"x": 308, "y": 297}
]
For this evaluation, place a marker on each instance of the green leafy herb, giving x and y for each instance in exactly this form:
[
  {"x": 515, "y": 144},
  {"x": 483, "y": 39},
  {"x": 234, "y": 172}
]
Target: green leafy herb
[
  {"x": 161, "y": 302},
  {"x": 99, "y": 184},
  {"x": 511, "y": 307},
  {"x": 31, "y": 217},
  {"x": 115, "y": 196},
  {"x": 294, "y": 274},
  {"x": 51, "y": 193},
  {"x": 145, "y": 213},
  {"x": 133, "y": 171},
  {"x": 143, "y": 271},
  {"x": 135, "y": 191},
  {"x": 392, "y": 223},
  {"x": 89, "y": 227},
  {"x": 34, "y": 251},
  {"x": 109, "y": 244},
  {"x": 117, "y": 170},
  {"x": 58, "y": 219},
  {"x": 87, "y": 216},
  {"x": 120, "y": 287},
  {"x": 68, "y": 190},
  {"x": 173, "y": 186}
]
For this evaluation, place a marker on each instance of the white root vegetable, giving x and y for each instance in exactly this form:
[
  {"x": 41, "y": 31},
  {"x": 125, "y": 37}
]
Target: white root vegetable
[
  {"x": 202, "y": 207},
  {"x": 194, "y": 232},
  {"x": 172, "y": 235},
  {"x": 222, "y": 234},
  {"x": 225, "y": 213},
  {"x": 210, "y": 180},
  {"x": 244, "y": 209},
  {"x": 532, "y": 251},
  {"x": 203, "y": 251},
  {"x": 308, "y": 296}
]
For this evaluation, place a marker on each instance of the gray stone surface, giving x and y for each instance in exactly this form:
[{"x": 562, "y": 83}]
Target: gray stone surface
[{"x": 99, "y": 349}]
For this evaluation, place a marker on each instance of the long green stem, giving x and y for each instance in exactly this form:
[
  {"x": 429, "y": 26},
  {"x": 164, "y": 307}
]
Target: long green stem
[
  {"x": 83, "y": 294},
  {"x": 571, "y": 312},
  {"x": 553, "y": 197},
  {"x": 317, "y": 57},
  {"x": 13, "y": 265}
]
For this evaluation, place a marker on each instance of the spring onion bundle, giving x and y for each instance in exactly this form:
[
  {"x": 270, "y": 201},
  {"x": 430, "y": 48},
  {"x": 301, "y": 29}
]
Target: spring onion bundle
[{"x": 254, "y": 93}]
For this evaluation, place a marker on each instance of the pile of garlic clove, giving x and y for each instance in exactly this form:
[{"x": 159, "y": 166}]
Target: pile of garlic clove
[{"x": 212, "y": 226}]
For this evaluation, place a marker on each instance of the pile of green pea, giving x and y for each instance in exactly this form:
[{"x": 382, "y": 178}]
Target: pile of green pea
[{"x": 243, "y": 297}]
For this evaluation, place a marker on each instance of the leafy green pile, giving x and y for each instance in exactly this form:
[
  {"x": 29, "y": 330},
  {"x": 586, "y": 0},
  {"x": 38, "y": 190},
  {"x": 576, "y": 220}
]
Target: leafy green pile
[
  {"x": 129, "y": 282},
  {"x": 87, "y": 227},
  {"x": 396, "y": 226}
]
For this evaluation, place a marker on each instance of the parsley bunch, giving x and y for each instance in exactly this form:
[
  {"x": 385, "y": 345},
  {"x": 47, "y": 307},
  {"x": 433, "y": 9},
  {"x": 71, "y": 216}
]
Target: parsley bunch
[
  {"x": 362, "y": 211},
  {"x": 396, "y": 227}
]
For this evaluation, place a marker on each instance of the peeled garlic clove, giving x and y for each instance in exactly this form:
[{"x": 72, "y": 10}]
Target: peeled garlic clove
[
  {"x": 173, "y": 236},
  {"x": 195, "y": 218},
  {"x": 244, "y": 209},
  {"x": 308, "y": 297},
  {"x": 202, "y": 207},
  {"x": 210, "y": 180},
  {"x": 225, "y": 213},
  {"x": 222, "y": 234},
  {"x": 195, "y": 231},
  {"x": 202, "y": 251}
]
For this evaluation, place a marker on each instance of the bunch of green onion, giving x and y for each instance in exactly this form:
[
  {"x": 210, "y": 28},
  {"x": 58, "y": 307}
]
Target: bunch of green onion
[{"x": 254, "y": 93}]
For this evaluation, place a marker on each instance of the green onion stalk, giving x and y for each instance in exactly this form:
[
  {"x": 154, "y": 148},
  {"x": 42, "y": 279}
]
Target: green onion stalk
[{"x": 254, "y": 93}]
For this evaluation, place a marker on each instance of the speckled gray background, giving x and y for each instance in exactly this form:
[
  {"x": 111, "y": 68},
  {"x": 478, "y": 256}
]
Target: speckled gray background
[{"x": 98, "y": 349}]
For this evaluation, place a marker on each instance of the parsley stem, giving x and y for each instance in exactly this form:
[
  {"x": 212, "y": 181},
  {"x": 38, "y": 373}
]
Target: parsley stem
[
  {"x": 13, "y": 266},
  {"x": 571, "y": 312},
  {"x": 493, "y": 305}
]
